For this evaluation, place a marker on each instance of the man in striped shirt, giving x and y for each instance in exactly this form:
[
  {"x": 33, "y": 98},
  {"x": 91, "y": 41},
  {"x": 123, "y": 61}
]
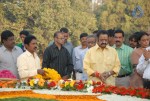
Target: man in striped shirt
[{"x": 124, "y": 53}]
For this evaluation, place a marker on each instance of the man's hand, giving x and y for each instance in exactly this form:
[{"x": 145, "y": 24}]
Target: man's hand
[
  {"x": 99, "y": 76},
  {"x": 41, "y": 71},
  {"x": 105, "y": 75},
  {"x": 65, "y": 77},
  {"x": 146, "y": 54}
]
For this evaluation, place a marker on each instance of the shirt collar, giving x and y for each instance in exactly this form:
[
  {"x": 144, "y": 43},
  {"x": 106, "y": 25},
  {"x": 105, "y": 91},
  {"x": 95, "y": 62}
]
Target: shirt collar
[
  {"x": 5, "y": 49},
  {"x": 29, "y": 54},
  {"x": 122, "y": 47},
  {"x": 54, "y": 46},
  {"x": 97, "y": 47}
]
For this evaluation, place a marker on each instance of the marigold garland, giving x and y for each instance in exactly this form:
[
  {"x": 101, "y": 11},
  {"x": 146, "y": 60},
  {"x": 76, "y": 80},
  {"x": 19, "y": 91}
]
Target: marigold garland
[
  {"x": 50, "y": 74},
  {"x": 8, "y": 84},
  {"x": 25, "y": 93}
]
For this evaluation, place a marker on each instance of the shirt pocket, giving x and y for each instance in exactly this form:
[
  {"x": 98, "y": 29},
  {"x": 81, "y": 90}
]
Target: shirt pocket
[{"x": 109, "y": 62}]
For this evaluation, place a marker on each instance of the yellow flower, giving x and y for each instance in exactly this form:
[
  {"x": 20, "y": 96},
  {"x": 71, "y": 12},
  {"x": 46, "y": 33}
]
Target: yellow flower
[
  {"x": 38, "y": 76},
  {"x": 41, "y": 82},
  {"x": 67, "y": 83},
  {"x": 72, "y": 83},
  {"x": 51, "y": 74},
  {"x": 31, "y": 83}
]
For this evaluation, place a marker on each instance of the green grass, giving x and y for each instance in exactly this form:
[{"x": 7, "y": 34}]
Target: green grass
[{"x": 25, "y": 99}]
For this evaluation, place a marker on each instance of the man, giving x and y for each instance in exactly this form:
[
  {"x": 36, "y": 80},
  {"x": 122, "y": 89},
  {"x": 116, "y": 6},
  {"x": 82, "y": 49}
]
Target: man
[
  {"x": 133, "y": 41},
  {"x": 77, "y": 52},
  {"x": 124, "y": 53},
  {"x": 57, "y": 57},
  {"x": 67, "y": 45},
  {"x": 9, "y": 52},
  {"x": 111, "y": 40},
  {"x": 28, "y": 63},
  {"x": 91, "y": 41},
  {"x": 143, "y": 68},
  {"x": 23, "y": 34},
  {"x": 101, "y": 62}
]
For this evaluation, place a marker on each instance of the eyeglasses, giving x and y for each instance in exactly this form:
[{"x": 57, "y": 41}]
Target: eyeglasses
[{"x": 61, "y": 38}]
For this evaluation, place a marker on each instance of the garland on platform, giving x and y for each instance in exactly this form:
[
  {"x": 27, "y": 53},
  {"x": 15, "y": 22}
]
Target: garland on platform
[
  {"x": 43, "y": 82},
  {"x": 30, "y": 94}
]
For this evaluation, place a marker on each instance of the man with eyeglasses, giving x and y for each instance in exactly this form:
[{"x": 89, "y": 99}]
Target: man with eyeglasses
[
  {"x": 68, "y": 45},
  {"x": 57, "y": 57}
]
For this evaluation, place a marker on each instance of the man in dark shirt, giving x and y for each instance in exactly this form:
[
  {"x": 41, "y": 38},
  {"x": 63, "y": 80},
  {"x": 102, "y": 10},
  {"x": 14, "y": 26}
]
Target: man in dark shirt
[{"x": 57, "y": 57}]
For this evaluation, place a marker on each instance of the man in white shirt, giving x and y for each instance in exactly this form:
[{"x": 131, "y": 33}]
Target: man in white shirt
[
  {"x": 143, "y": 67},
  {"x": 28, "y": 63},
  {"x": 9, "y": 53},
  {"x": 76, "y": 53},
  {"x": 91, "y": 41}
]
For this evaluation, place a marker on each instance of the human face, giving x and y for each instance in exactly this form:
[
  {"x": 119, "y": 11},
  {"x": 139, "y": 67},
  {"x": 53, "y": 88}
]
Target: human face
[
  {"x": 111, "y": 41},
  {"x": 119, "y": 39},
  {"x": 91, "y": 42},
  {"x": 83, "y": 41},
  {"x": 132, "y": 43},
  {"x": 22, "y": 36},
  {"x": 144, "y": 42},
  {"x": 32, "y": 47},
  {"x": 66, "y": 36},
  {"x": 103, "y": 40},
  {"x": 60, "y": 39},
  {"x": 10, "y": 42}
]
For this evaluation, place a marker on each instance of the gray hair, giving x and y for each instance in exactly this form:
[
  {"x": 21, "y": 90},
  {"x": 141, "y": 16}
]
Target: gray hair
[{"x": 91, "y": 36}]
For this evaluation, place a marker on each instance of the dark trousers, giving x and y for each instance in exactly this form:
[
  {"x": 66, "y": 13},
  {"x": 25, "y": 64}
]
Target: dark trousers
[{"x": 146, "y": 83}]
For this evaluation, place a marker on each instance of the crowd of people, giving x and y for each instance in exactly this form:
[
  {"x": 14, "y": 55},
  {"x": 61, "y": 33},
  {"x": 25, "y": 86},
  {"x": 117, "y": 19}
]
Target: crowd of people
[{"x": 101, "y": 56}]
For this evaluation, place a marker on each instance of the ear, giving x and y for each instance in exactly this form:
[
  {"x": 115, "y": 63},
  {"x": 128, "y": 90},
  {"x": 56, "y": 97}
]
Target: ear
[
  {"x": 139, "y": 42},
  {"x": 3, "y": 41},
  {"x": 26, "y": 46}
]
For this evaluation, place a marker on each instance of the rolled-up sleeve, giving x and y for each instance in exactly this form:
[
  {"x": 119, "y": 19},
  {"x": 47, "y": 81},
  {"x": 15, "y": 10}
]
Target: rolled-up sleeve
[{"x": 142, "y": 65}]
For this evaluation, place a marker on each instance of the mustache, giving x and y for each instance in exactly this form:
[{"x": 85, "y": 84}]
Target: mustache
[
  {"x": 103, "y": 43},
  {"x": 117, "y": 41}
]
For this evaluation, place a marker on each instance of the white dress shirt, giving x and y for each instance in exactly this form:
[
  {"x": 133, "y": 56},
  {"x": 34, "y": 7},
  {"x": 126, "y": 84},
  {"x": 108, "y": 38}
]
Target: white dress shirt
[
  {"x": 76, "y": 57},
  {"x": 8, "y": 59},
  {"x": 143, "y": 67},
  {"x": 28, "y": 64}
]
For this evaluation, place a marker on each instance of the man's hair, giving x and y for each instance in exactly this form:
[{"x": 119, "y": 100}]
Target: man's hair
[
  {"x": 133, "y": 36},
  {"x": 91, "y": 36},
  {"x": 119, "y": 31},
  {"x": 83, "y": 35},
  {"x": 56, "y": 34},
  {"x": 5, "y": 35},
  {"x": 65, "y": 30},
  {"x": 28, "y": 39},
  {"x": 24, "y": 32},
  {"x": 110, "y": 32},
  {"x": 100, "y": 32}
]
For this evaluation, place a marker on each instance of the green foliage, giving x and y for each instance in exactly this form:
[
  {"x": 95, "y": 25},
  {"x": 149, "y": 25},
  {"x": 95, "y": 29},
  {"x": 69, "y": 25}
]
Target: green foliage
[
  {"x": 25, "y": 99},
  {"x": 117, "y": 14},
  {"x": 44, "y": 17}
]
